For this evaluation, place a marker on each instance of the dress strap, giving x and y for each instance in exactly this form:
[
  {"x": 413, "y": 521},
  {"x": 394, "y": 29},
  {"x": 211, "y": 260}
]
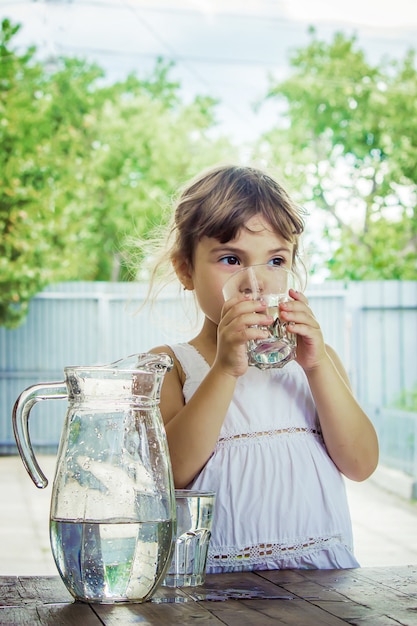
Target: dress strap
[{"x": 192, "y": 362}]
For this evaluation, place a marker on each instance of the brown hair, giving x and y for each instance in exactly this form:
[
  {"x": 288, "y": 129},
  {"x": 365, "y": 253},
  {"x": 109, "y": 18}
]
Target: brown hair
[{"x": 218, "y": 203}]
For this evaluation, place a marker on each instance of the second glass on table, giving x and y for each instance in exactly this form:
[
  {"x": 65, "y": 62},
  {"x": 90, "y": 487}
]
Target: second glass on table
[
  {"x": 194, "y": 523},
  {"x": 270, "y": 283}
]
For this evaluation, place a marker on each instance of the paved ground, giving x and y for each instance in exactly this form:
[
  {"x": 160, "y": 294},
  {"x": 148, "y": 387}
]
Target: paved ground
[{"x": 384, "y": 524}]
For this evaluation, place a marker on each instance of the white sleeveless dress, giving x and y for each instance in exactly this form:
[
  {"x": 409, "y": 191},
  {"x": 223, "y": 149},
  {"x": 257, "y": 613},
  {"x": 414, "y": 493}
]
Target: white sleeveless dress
[{"x": 280, "y": 500}]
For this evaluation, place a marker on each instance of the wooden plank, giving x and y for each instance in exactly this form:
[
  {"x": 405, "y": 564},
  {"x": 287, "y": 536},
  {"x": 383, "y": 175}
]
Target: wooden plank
[
  {"x": 237, "y": 584},
  {"x": 369, "y": 597},
  {"x": 193, "y": 603},
  {"x": 8, "y": 590},
  {"x": 44, "y": 589},
  {"x": 305, "y": 586},
  {"x": 76, "y": 614},
  {"x": 274, "y": 603},
  {"x": 358, "y": 597},
  {"x": 18, "y": 616},
  {"x": 259, "y": 612},
  {"x": 402, "y": 578},
  {"x": 268, "y": 612},
  {"x": 356, "y": 614},
  {"x": 152, "y": 614},
  {"x": 41, "y": 600},
  {"x": 372, "y": 610}
]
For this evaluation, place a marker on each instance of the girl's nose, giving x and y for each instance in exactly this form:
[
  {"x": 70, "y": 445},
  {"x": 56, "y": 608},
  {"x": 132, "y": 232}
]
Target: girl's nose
[{"x": 250, "y": 284}]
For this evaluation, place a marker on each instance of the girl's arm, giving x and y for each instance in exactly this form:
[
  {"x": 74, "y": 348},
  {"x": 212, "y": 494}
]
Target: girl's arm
[
  {"x": 349, "y": 435},
  {"x": 193, "y": 428}
]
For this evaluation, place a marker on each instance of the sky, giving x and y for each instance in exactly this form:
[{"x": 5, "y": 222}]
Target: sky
[{"x": 223, "y": 48}]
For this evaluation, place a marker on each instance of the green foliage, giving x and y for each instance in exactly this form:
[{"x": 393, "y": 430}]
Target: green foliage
[
  {"x": 84, "y": 165},
  {"x": 348, "y": 144}
]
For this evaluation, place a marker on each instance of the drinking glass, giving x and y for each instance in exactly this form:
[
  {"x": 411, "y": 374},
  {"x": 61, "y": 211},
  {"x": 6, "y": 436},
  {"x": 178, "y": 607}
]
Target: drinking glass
[
  {"x": 194, "y": 523},
  {"x": 271, "y": 284}
]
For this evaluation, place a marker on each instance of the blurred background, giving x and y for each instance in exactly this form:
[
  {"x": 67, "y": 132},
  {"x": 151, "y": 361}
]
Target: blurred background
[{"x": 108, "y": 106}]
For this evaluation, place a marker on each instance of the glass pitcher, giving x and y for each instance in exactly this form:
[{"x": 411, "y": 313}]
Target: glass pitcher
[{"x": 112, "y": 518}]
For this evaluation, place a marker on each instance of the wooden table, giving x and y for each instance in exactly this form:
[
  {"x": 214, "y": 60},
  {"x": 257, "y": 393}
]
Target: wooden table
[{"x": 383, "y": 596}]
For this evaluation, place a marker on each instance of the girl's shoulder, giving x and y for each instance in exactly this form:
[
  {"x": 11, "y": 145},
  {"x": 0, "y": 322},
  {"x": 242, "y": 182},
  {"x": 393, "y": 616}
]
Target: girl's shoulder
[
  {"x": 172, "y": 397},
  {"x": 190, "y": 363},
  {"x": 165, "y": 349}
]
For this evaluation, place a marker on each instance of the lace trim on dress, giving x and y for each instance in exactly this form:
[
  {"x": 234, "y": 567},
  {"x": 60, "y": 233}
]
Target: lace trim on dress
[
  {"x": 243, "y": 437},
  {"x": 258, "y": 554}
]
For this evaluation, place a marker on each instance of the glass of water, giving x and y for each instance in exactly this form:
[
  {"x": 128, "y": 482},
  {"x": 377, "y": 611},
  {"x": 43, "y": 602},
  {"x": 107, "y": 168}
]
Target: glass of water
[
  {"x": 270, "y": 283},
  {"x": 194, "y": 523}
]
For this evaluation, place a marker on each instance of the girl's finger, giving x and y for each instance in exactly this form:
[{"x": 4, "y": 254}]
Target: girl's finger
[
  {"x": 298, "y": 295},
  {"x": 291, "y": 314}
]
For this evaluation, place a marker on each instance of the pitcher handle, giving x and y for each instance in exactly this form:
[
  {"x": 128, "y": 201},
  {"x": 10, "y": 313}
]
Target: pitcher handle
[{"x": 20, "y": 418}]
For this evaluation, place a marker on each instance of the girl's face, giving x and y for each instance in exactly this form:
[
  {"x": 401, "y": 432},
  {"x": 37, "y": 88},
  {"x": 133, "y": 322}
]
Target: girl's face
[{"x": 215, "y": 262}]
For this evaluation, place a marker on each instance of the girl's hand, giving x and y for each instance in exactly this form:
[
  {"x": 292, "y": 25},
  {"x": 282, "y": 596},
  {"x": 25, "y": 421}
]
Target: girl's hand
[
  {"x": 311, "y": 349},
  {"x": 240, "y": 322}
]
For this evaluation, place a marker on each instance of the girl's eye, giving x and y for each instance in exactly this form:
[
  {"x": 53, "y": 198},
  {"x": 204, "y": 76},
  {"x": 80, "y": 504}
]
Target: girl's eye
[
  {"x": 277, "y": 261},
  {"x": 230, "y": 260}
]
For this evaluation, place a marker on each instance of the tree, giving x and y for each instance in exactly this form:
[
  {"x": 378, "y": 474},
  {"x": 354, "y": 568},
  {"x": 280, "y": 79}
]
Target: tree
[
  {"x": 147, "y": 145},
  {"x": 83, "y": 164},
  {"x": 347, "y": 141},
  {"x": 42, "y": 136}
]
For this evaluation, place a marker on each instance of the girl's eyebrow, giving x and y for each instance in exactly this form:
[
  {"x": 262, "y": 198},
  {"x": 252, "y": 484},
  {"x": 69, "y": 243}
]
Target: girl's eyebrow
[
  {"x": 226, "y": 246},
  {"x": 280, "y": 250},
  {"x": 230, "y": 247}
]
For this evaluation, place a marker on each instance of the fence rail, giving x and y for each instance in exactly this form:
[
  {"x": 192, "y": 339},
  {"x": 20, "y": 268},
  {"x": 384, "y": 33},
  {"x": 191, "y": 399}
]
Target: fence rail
[{"x": 372, "y": 326}]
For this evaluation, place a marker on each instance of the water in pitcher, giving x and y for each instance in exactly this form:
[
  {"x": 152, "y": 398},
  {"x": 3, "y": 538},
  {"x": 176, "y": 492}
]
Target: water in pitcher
[{"x": 111, "y": 561}]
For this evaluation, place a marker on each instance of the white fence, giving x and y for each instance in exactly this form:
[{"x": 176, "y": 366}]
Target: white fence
[{"x": 372, "y": 325}]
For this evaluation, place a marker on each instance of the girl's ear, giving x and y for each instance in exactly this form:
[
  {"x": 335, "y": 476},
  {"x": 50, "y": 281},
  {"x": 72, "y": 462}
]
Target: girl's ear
[{"x": 183, "y": 272}]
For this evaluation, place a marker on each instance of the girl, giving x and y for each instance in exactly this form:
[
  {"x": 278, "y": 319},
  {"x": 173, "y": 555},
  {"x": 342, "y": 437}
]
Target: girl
[{"x": 271, "y": 443}]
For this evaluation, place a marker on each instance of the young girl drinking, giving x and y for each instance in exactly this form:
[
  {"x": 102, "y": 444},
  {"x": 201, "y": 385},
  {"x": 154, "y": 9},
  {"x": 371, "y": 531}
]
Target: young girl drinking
[{"x": 273, "y": 444}]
